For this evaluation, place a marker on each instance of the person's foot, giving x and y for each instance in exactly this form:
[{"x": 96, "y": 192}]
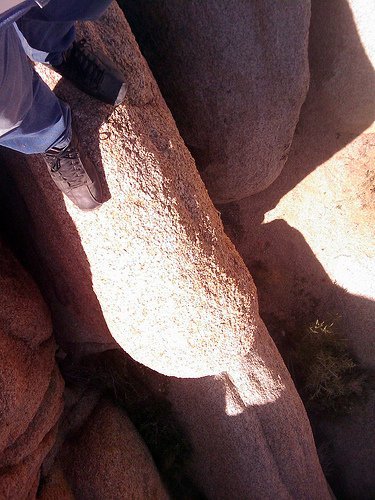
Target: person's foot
[
  {"x": 92, "y": 73},
  {"x": 75, "y": 175}
]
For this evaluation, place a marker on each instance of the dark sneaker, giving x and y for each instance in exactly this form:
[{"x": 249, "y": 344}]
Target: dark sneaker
[
  {"x": 92, "y": 73},
  {"x": 74, "y": 175}
]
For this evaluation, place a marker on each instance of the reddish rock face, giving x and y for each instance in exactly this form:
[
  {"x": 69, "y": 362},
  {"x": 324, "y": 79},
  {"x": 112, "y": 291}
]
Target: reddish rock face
[
  {"x": 154, "y": 269},
  {"x": 30, "y": 384},
  {"x": 234, "y": 75},
  {"x": 107, "y": 460}
]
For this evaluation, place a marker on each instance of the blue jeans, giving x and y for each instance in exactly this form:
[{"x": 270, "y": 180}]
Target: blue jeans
[{"x": 32, "y": 118}]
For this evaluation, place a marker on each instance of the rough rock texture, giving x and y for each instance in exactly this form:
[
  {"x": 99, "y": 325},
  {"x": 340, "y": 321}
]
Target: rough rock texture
[
  {"x": 79, "y": 403},
  {"x": 308, "y": 240},
  {"x": 154, "y": 267},
  {"x": 30, "y": 384},
  {"x": 106, "y": 460},
  {"x": 56, "y": 486},
  {"x": 234, "y": 74}
]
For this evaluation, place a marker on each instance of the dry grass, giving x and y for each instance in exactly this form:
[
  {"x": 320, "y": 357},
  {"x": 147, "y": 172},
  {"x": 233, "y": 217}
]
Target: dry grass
[{"x": 328, "y": 377}]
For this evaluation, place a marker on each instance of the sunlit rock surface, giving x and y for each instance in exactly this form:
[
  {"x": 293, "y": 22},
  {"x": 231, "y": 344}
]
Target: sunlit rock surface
[
  {"x": 308, "y": 240},
  {"x": 154, "y": 269},
  {"x": 234, "y": 75}
]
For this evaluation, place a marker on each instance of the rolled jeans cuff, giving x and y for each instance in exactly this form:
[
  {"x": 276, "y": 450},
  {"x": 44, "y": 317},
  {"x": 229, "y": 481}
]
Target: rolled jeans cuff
[{"x": 64, "y": 140}]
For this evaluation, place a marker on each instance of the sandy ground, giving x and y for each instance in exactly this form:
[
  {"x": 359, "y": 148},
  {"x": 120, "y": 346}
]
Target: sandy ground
[
  {"x": 310, "y": 250},
  {"x": 308, "y": 240}
]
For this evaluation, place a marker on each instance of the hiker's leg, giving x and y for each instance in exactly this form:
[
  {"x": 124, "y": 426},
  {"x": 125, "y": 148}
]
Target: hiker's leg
[
  {"x": 32, "y": 118},
  {"x": 47, "y": 33}
]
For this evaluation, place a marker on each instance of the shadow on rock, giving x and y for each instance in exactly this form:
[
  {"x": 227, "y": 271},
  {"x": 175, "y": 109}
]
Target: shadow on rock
[
  {"x": 27, "y": 240},
  {"x": 204, "y": 413},
  {"x": 293, "y": 287},
  {"x": 200, "y": 397}
]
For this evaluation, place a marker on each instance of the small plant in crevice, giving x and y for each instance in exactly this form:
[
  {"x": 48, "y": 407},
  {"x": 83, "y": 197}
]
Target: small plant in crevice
[
  {"x": 327, "y": 376},
  {"x": 120, "y": 379}
]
